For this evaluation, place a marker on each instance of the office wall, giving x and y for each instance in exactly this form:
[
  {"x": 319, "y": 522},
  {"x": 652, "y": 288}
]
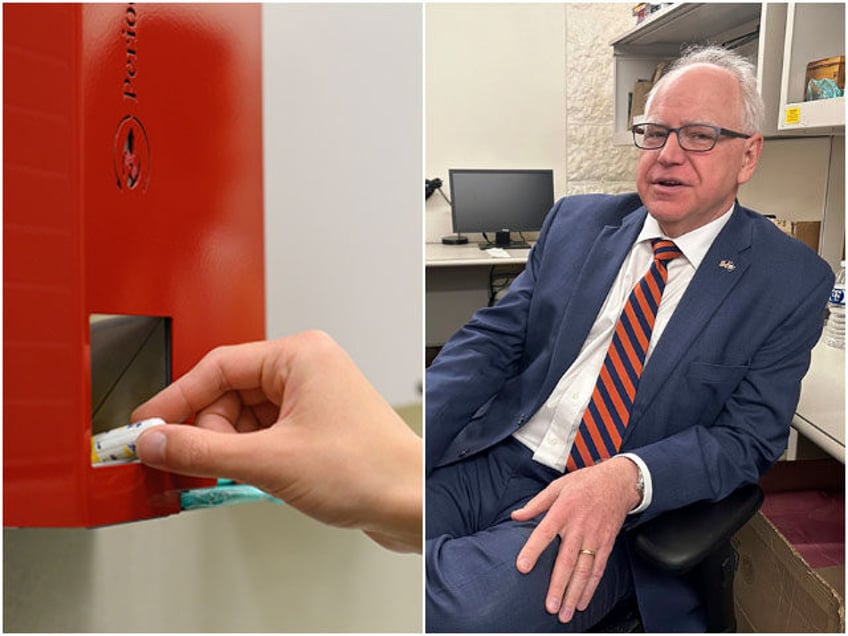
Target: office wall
[
  {"x": 803, "y": 179},
  {"x": 523, "y": 86},
  {"x": 343, "y": 197},
  {"x": 343, "y": 108}
]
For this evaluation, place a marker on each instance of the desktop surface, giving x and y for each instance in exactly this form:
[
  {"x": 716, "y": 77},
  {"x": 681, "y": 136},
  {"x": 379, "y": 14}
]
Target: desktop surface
[{"x": 441, "y": 255}]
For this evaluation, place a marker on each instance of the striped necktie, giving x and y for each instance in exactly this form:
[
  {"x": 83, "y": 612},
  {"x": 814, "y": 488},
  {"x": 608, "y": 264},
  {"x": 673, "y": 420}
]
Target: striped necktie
[{"x": 606, "y": 417}]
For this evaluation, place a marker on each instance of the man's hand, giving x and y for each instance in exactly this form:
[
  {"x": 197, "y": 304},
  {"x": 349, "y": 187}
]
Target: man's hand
[
  {"x": 586, "y": 509},
  {"x": 296, "y": 418}
]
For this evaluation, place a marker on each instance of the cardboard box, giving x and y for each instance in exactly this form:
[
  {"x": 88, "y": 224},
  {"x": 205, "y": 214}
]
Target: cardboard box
[
  {"x": 641, "y": 88},
  {"x": 640, "y": 95},
  {"x": 805, "y": 231},
  {"x": 776, "y": 590}
]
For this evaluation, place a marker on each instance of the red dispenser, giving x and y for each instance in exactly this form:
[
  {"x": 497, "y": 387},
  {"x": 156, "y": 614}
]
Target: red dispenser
[{"x": 132, "y": 234}]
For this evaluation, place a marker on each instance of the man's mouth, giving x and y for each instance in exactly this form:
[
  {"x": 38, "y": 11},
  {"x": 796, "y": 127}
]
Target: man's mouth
[{"x": 668, "y": 183}]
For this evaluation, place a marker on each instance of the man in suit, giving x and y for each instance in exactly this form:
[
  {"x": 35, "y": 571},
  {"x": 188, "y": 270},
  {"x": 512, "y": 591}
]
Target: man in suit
[{"x": 528, "y": 484}]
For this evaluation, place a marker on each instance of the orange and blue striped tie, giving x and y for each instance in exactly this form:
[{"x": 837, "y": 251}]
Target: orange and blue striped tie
[{"x": 606, "y": 417}]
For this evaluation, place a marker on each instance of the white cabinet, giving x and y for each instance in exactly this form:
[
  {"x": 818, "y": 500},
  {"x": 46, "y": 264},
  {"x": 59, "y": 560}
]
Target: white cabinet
[{"x": 779, "y": 38}]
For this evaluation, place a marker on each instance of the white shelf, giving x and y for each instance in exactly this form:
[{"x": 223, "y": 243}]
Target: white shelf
[
  {"x": 688, "y": 22},
  {"x": 824, "y": 115}
]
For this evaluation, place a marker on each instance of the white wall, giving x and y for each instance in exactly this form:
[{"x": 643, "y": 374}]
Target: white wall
[
  {"x": 343, "y": 109},
  {"x": 343, "y": 199},
  {"x": 495, "y": 77}
]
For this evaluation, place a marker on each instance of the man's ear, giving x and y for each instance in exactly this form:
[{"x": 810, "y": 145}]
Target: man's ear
[{"x": 750, "y": 159}]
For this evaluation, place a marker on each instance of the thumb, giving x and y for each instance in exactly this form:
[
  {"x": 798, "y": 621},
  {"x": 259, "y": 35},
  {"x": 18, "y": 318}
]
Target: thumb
[{"x": 189, "y": 450}]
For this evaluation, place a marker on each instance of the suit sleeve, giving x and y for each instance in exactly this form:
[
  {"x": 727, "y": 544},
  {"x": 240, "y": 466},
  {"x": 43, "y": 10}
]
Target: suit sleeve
[
  {"x": 750, "y": 432},
  {"x": 479, "y": 358}
]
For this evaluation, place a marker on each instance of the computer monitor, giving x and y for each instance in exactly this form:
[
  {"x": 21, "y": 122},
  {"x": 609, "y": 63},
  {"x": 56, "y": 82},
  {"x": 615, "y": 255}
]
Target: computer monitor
[{"x": 500, "y": 202}]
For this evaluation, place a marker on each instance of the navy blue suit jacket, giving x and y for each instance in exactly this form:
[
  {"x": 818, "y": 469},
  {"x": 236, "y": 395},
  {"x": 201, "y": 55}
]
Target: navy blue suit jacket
[{"x": 714, "y": 403}]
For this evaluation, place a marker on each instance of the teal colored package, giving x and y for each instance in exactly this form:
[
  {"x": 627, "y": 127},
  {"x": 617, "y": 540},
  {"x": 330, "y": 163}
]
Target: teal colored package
[{"x": 225, "y": 493}]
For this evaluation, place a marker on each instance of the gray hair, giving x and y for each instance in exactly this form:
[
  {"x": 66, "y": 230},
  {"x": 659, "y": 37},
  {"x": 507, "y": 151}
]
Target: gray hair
[{"x": 742, "y": 70}]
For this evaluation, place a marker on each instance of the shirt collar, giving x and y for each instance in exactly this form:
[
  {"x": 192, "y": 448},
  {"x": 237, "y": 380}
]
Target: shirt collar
[{"x": 695, "y": 244}]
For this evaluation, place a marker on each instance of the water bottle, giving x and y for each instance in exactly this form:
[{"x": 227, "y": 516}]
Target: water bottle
[{"x": 834, "y": 331}]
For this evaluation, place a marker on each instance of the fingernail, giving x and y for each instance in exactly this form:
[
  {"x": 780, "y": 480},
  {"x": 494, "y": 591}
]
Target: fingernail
[
  {"x": 552, "y": 605},
  {"x": 566, "y": 615},
  {"x": 524, "y": 565},
  {"x": 151, "y": 447}
]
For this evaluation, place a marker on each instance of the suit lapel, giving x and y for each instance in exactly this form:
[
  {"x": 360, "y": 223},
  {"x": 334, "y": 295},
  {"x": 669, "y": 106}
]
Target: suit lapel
[
  {"x": 595, "y": 279},
  {"x": 721, "y": 270}
]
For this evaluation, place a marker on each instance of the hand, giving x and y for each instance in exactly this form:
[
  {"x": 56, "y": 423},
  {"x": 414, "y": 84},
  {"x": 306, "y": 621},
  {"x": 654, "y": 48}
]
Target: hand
[
  {"x": 586, "y": 509},
  {"x": 296, "y": 418}
]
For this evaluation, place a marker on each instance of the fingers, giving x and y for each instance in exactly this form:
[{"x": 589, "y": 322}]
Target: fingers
[
  {"x": 567, "y": 572},
  {"x": 573, "y": 570},
  {"x": 579, "y": 585},
  {"x": 576, "y": 573},
  {"x": 599, "y": 565},
  {"x": 222, "y": 370},
  {"x": 538, "y": 504},
  {"x": 190, "y": 450},
  {"x": 545, "y": 532},
  {"x": 536, "y": 543}
]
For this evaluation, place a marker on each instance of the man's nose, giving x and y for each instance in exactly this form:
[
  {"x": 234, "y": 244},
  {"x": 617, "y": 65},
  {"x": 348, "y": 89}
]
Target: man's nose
[{"x": 672, "y": 152}]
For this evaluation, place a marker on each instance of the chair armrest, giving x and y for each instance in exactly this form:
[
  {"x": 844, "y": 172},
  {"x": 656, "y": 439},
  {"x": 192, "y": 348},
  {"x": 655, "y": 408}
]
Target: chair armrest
[{"x": 678, "y": 540}]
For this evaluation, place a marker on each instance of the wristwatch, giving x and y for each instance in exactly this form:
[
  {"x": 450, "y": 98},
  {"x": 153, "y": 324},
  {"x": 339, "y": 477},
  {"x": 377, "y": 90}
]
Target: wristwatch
[{"x": 640, "y": 486}]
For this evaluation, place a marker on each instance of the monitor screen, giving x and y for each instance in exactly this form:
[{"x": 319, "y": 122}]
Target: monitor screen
[{"x": 495, "y": 200}]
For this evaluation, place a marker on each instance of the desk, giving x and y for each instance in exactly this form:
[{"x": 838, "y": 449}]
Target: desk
[
  {"x": 820, "y": 415},
  {"x": 468, "y": 255},
  {"x": 457, "y": 285}
]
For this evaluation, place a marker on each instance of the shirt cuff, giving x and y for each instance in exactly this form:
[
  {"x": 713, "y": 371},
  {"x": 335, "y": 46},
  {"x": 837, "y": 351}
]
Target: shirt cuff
[{"x": 648, "y": 492}]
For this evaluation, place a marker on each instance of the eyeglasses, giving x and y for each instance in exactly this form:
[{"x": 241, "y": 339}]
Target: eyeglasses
[{"x": 691, "y": 137}]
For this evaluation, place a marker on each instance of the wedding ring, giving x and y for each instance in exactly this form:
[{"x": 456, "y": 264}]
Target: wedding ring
[{"x": 591, "y": 553}]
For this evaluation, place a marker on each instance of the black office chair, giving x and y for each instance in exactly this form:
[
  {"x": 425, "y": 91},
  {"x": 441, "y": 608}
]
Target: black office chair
[{"x": 694, "y": 539}]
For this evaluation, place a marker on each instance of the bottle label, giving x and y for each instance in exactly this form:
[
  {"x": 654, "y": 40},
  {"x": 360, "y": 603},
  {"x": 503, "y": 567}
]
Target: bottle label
[{"x": 837, "y": 295}]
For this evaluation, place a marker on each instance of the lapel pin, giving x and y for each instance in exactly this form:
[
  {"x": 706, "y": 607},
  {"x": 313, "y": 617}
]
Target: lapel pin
[{"x": 727, "y": 265}]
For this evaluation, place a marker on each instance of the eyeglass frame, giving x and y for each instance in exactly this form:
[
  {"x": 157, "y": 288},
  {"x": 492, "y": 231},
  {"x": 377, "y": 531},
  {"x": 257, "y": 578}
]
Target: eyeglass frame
[{"x": 718, "y": 130}]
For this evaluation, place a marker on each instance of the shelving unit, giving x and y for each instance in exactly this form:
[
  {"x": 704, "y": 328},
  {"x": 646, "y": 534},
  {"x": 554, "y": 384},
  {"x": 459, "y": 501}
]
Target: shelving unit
[{"x": 791, "y": 33}]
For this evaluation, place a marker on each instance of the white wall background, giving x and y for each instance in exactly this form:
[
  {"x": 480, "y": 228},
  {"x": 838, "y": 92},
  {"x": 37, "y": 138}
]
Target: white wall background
[
  {"x": 343, "y": 200},
  {"x": 343, "y": 108}
]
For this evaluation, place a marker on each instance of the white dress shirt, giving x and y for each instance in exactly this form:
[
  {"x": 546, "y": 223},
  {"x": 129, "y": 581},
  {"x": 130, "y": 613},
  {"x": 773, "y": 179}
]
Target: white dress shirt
[{"x": 551, "y": 431}]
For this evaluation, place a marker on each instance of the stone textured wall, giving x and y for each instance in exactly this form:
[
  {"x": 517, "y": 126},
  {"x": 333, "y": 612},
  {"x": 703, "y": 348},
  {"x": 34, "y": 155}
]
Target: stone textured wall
[{"x": 593, "y": 164}]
